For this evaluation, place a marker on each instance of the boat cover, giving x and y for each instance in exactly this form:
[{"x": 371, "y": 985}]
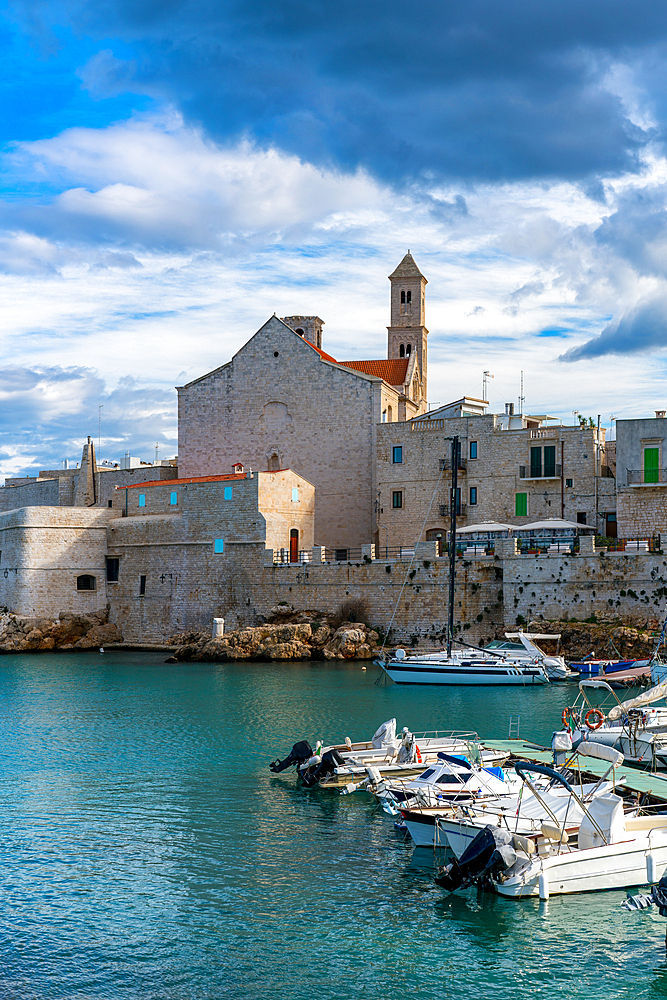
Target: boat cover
[
  {"x": 602, "y": 752},
  {"x": 646, "y": 698},
  {"x": 607, "y": 812},
  {"x": 385, "y": 735}
]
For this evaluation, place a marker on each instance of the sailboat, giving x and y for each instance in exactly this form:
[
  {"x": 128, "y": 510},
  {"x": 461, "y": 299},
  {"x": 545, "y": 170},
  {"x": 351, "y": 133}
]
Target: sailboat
[{"x": 473, "y": 665}]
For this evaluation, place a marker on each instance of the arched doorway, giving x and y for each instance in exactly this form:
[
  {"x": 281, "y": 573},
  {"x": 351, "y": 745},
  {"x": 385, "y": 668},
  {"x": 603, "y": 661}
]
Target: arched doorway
[
  {"x": 438, "y": 535},
  {"x": 294, "y": 545}
]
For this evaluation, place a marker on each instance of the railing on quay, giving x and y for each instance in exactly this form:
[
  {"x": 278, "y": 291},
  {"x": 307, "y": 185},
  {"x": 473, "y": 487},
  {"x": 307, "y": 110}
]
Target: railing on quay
[
  {"x": 651, "y": 543},
  {"x": 282, "y": 557},
  {"x": 646, "y": 477}
]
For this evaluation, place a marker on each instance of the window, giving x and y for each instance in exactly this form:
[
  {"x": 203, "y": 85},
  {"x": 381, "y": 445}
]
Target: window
[
  {"x": 397, "y": 454},
  {"x": 86, "y": 582},
  {"x": 173, "y": 499},
  {"x": 473, "y": 449},
  {"x": 473, "y": 496},
  {"x": 549, "y": 460},
  {"x": 458, "y": 500},
  {"x": 113, "y": 569},
  {"x": 295, "y": 494},
  {"x": 521, "y": 504},
  {"x": 219, "y": 545},
  {"x": 142, "y": 499},
  {"x": 408, "y": 350},
  {"x": 397, "y": 499},
  {"x": 402, "y": 298},
  {"x": 401, "y": 351},
  {"x": 535, "y": 463},
  {"x": 142, "y": 586},
  {"x": 408, "y": 296},
  {"x": 581, "y": 517},
  {"x": 568, "y": 482},
  {"x": 109, "y": 503},
  {"x": 229, "y": 492}
]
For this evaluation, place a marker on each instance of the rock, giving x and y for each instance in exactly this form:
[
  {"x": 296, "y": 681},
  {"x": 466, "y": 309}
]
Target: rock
[{"x": 281, "y": 609}]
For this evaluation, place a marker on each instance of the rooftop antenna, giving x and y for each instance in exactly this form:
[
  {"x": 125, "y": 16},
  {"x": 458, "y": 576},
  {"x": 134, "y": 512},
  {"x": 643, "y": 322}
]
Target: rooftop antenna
[
  {"x": 522, "y": 398},
  {"x": 99, "y": 430},
  {"x": 157, "y": 445},
  {"x": 487, "y": 375}
]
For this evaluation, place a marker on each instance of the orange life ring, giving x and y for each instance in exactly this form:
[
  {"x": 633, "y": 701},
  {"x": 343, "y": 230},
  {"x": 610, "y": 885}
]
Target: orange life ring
[
  {"x": 564, "y": 717},
  {"x": 598, "y": 715}
]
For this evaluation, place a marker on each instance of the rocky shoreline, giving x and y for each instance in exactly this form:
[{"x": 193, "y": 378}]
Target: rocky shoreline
[
  {"x": 351, "y": 641},
  {"x": 69, "y": 631}
]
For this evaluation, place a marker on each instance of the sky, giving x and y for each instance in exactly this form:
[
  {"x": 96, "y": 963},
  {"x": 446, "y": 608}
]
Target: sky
[{"x": 173, "y": 173}]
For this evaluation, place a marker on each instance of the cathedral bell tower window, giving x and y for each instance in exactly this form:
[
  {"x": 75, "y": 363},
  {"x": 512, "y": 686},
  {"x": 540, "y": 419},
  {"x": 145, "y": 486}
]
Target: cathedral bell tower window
[
  {"x": 408, "y": 350},
  {"x": 401, "y": 351}
]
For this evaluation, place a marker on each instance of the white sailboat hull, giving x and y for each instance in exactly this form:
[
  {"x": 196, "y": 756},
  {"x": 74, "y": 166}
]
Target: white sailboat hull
[{"x": 416, "y": 671}]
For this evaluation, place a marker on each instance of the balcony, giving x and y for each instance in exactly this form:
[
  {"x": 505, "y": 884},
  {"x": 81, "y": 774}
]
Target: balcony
[
  {"x": 443, "y": 510},
  {"x": 553, "y": 472},
  {"x": 446, "y": 464},
  {"x": 647, "y": 477}
]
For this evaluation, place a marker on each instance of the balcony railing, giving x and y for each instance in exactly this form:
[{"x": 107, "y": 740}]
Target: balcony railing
[
  {"x": 646, "y": 477},
  {"x": 281, "y": 557},
  {"x": 446, "y": 464},
  {"x": 437, "y": 424},
  {"x": 555, "y": 472},
  {"x": 645, "y": 544},
  {"x": 443, "y": 510}
]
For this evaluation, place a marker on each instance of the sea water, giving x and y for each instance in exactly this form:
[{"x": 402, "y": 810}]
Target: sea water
[{"x": 146, "y": 850}]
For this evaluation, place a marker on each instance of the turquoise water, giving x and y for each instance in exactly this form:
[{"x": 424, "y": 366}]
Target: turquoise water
[{"x": 146, "y": 851}]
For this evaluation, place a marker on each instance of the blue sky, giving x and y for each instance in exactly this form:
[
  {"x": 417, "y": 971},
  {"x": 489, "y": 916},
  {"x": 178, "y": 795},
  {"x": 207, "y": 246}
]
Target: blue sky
[{"x": 171, "y": 174}]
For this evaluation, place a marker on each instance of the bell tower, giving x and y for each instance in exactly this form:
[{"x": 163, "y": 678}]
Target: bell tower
[{"x": 407, "y": 334}]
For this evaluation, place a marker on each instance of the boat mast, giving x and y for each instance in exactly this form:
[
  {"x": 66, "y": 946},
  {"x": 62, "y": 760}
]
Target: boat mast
[{"x": 452, "y": 540}]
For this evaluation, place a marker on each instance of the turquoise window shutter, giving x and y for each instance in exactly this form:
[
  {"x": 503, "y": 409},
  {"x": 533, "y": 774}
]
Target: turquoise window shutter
[{"x": 219, "y": 545}]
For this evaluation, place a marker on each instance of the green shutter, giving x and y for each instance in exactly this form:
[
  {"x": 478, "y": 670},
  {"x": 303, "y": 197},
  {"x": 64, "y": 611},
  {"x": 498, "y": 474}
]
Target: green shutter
[
  {"x": 535, "y": 463},
  {"x": 521, "y": 504},
  {"x": 549, "y": 460},
  {"x": 651, "y": 465}
]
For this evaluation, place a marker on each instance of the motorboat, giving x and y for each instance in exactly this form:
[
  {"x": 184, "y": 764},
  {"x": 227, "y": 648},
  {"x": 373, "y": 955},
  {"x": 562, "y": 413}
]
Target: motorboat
[
  {"x": 636, "y": 726},
  {"x": 509, "y": 805},
  {"x": 389, "y": 754},
  {"x": 608, "y": 849}
]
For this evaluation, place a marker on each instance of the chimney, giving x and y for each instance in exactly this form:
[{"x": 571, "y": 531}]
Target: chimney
[
  {"x": 509, "y": 409},
  {"x": 660, "y": 414}
]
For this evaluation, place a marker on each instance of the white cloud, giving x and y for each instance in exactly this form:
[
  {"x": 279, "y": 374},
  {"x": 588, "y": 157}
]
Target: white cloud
[{"x": 161, "y": 253}]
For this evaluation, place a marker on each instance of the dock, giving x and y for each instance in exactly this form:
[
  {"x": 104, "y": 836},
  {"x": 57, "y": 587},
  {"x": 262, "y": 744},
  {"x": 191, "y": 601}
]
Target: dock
[{"x": 649, "y": 786}]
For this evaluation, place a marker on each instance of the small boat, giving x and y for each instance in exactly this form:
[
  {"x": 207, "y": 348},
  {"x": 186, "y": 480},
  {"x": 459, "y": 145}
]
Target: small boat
[
  {"x": 608, "y": 850},
  {"x": 338, "y": 765},
  {"x": 636, "y": 727},
  {"x": 467, "y": 668}
]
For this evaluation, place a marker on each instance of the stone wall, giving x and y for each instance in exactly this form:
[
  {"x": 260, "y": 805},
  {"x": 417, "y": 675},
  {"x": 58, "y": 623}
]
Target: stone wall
[
  {"x": 642, "y": 511},
  {"x": 43, "y": 550}
]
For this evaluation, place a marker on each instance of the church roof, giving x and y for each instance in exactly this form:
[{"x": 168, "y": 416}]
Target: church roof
[
  {"x": 392, "y": 371},
  {"x": 407, "y": 268},
  {"x": 322, "y": 354}
]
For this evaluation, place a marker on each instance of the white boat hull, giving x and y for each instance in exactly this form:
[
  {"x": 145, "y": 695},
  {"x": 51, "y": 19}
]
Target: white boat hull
[{"x": 616, "y": 866}]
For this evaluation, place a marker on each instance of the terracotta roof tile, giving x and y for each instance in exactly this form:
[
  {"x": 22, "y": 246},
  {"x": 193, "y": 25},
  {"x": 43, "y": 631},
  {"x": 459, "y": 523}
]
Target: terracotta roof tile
[
  {"x": 393, "y": 371},
  {"x": 322, "y": 354}
]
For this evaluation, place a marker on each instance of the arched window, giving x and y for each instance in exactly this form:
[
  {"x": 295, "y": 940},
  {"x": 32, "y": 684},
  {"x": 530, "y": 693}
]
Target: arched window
[
  {"x": 402, "y": 298},
  {"x": 86, "y": 582},
  {"x": 389, "y": 414},
  {"x": 408, "y": 350},
  {"x": 274, "y": 462},
  {"x": 408, "y": 296},
  {"x": 401, "y": 351}
]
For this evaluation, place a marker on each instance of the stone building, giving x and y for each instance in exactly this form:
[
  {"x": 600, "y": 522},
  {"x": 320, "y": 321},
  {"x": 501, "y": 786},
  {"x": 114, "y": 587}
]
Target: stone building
[
  {"x": 283, "y": 402},
  {"x": 172, "y": 554},
  {"x": 511, "y": 469},
  {"x": 641, "y": 471}
]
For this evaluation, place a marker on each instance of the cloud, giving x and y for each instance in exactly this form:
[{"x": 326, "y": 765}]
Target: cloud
[
  {"x": 47, "y": 411},
  {"x": 475, "y": 90},
  {"x": 640, "y": 329}
]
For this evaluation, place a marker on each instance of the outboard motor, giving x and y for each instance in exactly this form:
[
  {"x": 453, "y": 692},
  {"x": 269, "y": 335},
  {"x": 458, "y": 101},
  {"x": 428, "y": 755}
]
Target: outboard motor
[
  {"x": 300, "y": 753},
  {"x": 329, "y": 761},
  {"x": 490, "y": 852}
]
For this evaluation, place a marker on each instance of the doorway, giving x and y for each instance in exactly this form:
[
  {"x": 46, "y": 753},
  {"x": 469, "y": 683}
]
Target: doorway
[{"x": 294, "y": 545}]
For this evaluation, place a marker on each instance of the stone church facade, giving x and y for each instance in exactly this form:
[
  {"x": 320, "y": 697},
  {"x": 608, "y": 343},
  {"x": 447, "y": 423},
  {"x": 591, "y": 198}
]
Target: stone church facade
[{"x": 282, "y": 402}]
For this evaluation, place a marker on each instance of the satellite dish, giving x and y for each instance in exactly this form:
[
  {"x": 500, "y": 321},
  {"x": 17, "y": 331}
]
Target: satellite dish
[{"x": 400, "y": 654}]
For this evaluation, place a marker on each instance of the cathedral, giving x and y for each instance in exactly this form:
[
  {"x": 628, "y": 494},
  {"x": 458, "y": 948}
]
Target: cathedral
[{"x": 283, "y": 402}]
